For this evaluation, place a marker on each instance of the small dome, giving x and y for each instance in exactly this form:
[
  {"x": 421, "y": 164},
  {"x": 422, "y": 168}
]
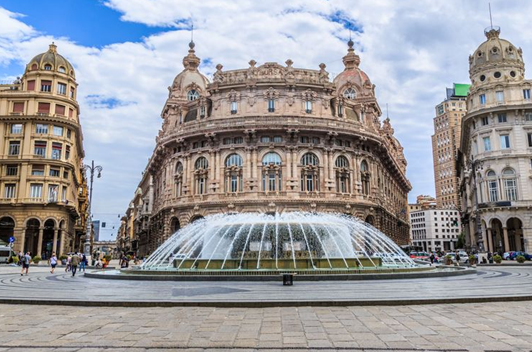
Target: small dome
[
  {"x": 352, "y": 76},
  {"x": 190, "y": 76},
  {"x": 495, "y": 50},
  {"x": 51, "y": 61}
]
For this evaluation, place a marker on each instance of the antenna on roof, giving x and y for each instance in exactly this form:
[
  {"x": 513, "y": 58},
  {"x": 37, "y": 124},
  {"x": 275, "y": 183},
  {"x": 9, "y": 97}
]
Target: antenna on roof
[
  {"x": 192, "y": 32},
  {"x": 387, "y": 111},
  {"x": 491, "y": 20}
]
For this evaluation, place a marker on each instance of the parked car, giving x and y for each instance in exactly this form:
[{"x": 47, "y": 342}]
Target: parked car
[
  {"x": 507, "y": 255},
  {"x": 514, "y": 255},
  {"x": 420, "y": 255},
  {"x": 464, "y": 258}
]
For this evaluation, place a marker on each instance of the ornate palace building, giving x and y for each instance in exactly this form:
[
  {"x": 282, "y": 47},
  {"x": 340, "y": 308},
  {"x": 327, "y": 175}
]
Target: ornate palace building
[
  {"x": 271, "y": 138},
  {"x": 43, "y": 195},
  {"x": 496, "y": 143}
]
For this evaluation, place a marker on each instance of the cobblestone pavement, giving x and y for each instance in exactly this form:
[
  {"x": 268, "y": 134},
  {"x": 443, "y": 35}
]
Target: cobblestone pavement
[
  {"x": 463, "y": 327},
  {"x": 40, "y": 284}
]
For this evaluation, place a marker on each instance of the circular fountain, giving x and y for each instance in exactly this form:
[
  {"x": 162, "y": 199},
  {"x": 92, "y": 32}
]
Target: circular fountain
[{"x": 258, "y": 243}]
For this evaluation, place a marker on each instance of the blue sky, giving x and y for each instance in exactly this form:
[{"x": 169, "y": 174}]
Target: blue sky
[{"x": 127, "y": 52}]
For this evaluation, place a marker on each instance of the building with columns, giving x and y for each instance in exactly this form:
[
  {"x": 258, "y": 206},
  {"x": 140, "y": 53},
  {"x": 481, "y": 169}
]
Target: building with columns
[
  {"x": 43, "y": 193},
  {"x": 271, "y": 138},
  {"x": 496, "y": 149},
  {"x": 445, "y": 144}
]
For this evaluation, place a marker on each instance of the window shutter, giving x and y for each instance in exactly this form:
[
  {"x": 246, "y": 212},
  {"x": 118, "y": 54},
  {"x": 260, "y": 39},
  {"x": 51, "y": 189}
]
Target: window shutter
[
  {"x": 31, "y": 85},
  {"x": 18, "y": 107},
  {"x": 59, "y": 110},
  {"x": 44, "y": 108}
]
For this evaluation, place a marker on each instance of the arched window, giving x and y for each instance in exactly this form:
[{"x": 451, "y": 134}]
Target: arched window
[
  {"x": 510, "y": 184},
  {"x": 364, "y": 177},
  {"x": 48, "y": 67},
  {"x": 201, "y": 175},
  {"x": 192, "y": 95},
  {"x": 350, "y": 93},
  {"x": 271, "y": 172},
  {"x": 233, "y": 173},
  {"x": 310, "y": 173},
  {"x": 61, "y": 69},
  {"x": 493, "y": 187},
  {"x": 34, "y": 67},
  {"x": 342, "y": 175},
  {"x": 178, "y": 179}
]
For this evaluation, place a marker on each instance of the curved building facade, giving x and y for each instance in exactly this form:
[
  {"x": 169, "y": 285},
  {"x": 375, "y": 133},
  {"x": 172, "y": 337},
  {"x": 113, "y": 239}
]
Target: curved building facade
[
  {"x": 42, "y": 186},
  {"x": 496, "y": 143},
  {"x": 271, "y": 138}
]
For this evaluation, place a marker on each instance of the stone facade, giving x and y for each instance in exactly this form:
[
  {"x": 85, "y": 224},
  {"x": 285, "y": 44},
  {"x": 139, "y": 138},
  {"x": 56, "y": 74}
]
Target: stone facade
[
  {"x": 496, "y": 143},
  {"x": 445, "y": 145},
  {"x": 271, "y": 138},
  {"x": 43, "y": 193}
]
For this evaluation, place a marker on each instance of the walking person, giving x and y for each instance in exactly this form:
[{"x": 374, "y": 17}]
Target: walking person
[
  {"x": 26, "y": 260},
  {"x": 20, "y": 256},
  {"x": 53, "y": 262},
  {"x": 74, "y": 263},
  {"x": 83, "y": 262},
  {"x": 68, "y": 263}
]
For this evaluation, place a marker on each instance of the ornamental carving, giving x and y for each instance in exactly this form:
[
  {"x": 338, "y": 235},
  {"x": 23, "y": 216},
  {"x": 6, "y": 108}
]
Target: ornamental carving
[
  {"x": 233, "y": 95},
  {"x": 271, "y": 93},
  {"x": 310, "y": 95}
]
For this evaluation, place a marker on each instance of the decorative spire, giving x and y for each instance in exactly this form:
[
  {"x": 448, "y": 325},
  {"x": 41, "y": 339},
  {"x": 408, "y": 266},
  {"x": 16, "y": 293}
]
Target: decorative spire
[
  {"x": 351, "y": 60},
  {"x": 191, "y": 61},
  {"x": 52, "y": 48}
]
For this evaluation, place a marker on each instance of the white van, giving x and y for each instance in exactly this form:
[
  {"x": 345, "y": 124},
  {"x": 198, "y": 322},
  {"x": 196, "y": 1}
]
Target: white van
[{"x": 5, "y": 252}]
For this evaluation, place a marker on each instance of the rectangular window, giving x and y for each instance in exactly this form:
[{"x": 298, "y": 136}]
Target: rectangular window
[
  {"x": 69, "y": 133},
  {"x": 485, "y": 121},
  {"x": 228, "y": 141},
  {"x": 54, "y": 172},
  {"x": 9, "y": 191},
  {"x": 64, "y": 194},
  {"x": 308, "y": 106},
  {"x": 60, "y": 110},
  {"x": 72, "y": 91},
  {"x": 65, "y": 175},
  {"x": 528, "y": 116},
  {"x": 12, "y": 170},
  {"x": 18, "y": 107},
  {"x": 271, "y": 105},
  {"x": 57, "y": 131},
  {"x": 510, "y": 188},
  {"x": 502, "y": 118},
  {"x": 340, "y": 110},
  {"x": 37, "y": 170},
  {"x": 278, "y": 139},
  {"x": 526, "y": 94},
  {"x": 487, "y": 144},
  {"x": 482, "y": 99},
  {"x": 265, "y": 139},
  {"x": 40, "y": 148},
  {"x": 493, "y": 193},
  {"x": 238, "y": 140},
  {"x": 57, "y": 150},
  {"x": 61, "y": 88},
  {"x": 14, "y": 147},
  {"x": 41, "y": 129},
  {"x": 499, "y": 96},
  {"x": 16, "y": 128},
  {"x": 233, "y": 107},
  {"x": 505, "y": 141},
  {"x": 529, "y": 139},
  {"x": 53, "y": 193},
  {"x": 36, "y": 191},
  {"x": 46, "y": 86},
  {"x": 70, "y": 113},
  {"x": 67, "y": 152},
  {"x": 43, "y": 108},
  {"x": 31, "y": 85}
]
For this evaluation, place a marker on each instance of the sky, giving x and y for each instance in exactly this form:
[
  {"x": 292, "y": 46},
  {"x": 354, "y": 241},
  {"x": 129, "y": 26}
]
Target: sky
[{"x": 127, "y": 52}]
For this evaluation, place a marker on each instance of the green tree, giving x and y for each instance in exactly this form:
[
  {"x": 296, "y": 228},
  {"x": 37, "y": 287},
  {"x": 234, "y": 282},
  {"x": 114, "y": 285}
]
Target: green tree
[{"x": 460, "y": 242}]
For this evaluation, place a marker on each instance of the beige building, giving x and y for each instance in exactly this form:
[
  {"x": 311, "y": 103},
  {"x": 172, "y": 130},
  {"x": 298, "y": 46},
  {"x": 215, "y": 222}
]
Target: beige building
[
  {"x": 272, "y": 138},
  {"x": 43, "y": 195},
  {"x": 496, "y": 144},
  {"x": 445, "y": 144}
]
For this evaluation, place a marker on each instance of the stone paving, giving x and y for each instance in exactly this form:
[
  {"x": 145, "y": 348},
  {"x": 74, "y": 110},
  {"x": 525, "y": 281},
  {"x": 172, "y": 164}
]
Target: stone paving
[
  {"x": 497, "y": 282},
  {"x": 464, "y": 327}
]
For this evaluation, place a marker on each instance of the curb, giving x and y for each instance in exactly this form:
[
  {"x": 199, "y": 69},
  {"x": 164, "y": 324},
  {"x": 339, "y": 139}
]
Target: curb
[{"x": 265, "y": 304}]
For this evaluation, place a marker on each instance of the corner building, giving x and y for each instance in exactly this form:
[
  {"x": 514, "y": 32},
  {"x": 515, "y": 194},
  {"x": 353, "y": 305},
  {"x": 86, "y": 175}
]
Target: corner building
[
  {"x": 496, "y": 143},
  {"x": 43, "y": 193},
  {"x": 272, "y": 138}
]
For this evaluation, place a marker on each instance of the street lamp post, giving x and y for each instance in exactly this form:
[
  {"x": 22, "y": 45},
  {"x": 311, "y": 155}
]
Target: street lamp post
[{"x": 92, "y": 169}]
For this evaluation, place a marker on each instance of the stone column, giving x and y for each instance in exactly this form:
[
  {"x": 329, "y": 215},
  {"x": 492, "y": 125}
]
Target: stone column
[
  {"x": 490, "y": 240},
  {"x": 22, "y": 239},
  {"x": 54, "y": 246},
  {"x": 288, "y": 164},
  {"x": 62, "y": 242},
  {"x": 506, "y": 242},
  {"x": 254, "y": 166},
  {"x": 294, "y": 165},
  {"x": 331, "y": 167},
  {"x": 248, "y": 164},
  {"x": 39, "y": 243}
]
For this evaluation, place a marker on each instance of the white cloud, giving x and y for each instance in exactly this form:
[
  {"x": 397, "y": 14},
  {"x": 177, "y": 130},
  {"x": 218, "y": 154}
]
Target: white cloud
[{"x": 411, "y": 50}]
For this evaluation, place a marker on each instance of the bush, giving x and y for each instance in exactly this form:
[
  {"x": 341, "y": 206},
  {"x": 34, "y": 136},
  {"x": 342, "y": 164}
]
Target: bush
[
  {"x": 108, "y": 258},
  {"x": 63, "y": 257},
  {"x": 520, "y": 259},
  {"x": 36, "y": 259},
  {"x": 128, "y": 257},
  {"x": 448, "y": 260},
  {"x": 472, "y": 259},
  {"x": 14, "y": 259},
  {"x": 497, "y": 259}
]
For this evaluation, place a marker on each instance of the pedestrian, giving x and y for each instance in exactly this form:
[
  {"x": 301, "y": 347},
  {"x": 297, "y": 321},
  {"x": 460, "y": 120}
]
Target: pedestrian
[
  {"x": 26, "y": 260},
  {"x": 68, "y": 263},
  {"x": 53, "y": 262},
  {"x": 457, "y": 256},
  {"x": 83, "y": 262},
  {"x": 20, "y": 256},
  {"x": 74, "y": 263},
  {"x": 431, "y": 258}
]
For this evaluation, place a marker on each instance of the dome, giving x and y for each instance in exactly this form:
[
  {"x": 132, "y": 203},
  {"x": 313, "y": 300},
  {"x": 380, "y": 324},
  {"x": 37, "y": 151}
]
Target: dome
[
  {"x": 51, "y": 61},
  {"x": 296, "y": 241},
  {"x": 190, "y": 76},
  {"x": 495, "y": 51},
  {"x": 352, "y": 74}
]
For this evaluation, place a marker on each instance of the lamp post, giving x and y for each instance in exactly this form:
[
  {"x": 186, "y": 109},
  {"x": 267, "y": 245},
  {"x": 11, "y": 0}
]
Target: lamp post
[
  {"x": 476, "y": 166},
  {"x": 92, "y": 169}
]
